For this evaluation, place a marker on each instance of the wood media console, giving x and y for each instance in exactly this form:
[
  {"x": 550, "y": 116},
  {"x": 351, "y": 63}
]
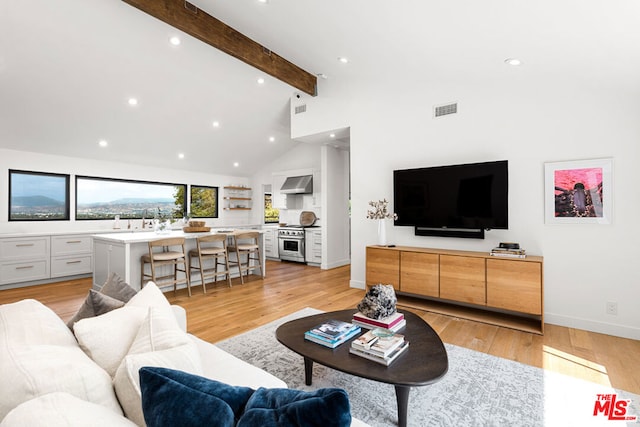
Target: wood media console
[{"x": 473, "y": 285}]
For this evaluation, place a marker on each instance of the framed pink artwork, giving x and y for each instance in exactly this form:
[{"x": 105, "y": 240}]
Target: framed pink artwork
[{"x": 578, "y": 192}]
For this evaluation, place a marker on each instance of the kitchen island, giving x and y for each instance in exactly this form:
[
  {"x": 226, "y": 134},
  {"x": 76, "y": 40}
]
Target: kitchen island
[{"x": 120, "y": 253}]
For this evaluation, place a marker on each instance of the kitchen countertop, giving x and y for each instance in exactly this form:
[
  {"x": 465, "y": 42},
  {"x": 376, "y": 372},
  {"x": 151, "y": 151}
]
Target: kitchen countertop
[
  {"x": 107, "y": 231},
  {"x": 146, "y": 236}
]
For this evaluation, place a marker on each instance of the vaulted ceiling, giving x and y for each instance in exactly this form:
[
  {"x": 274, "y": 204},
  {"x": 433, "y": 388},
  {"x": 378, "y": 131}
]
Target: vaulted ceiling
[{"x": 69, "y": 67}]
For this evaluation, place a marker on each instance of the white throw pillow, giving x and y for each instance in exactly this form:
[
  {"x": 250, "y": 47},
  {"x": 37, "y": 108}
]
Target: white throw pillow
[
  {"x": 149, "y": 296},
  {"x": 63, "y": 409},
  {"x": 159, "y": 342},
  {"x": 158, "y": 331},
  {"x": 127, "y": 380},
  {"x": 107, "y": 338}
]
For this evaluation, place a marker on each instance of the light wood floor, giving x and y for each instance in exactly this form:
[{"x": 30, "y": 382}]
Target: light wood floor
[{"x": 224, "y": 312}]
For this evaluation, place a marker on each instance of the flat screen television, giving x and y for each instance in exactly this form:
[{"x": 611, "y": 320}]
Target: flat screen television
[{"x": 455, "y": 200}]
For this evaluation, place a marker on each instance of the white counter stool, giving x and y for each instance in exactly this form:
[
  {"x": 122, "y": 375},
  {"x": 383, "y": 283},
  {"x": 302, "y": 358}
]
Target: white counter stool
[
  {"x": 246, "y": 244},
  {"x": 169, "y": 251},
  {"x": 213, "y": 246}
]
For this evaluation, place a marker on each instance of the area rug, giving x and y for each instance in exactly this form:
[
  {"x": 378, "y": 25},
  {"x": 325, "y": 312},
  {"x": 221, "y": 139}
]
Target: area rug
[{"x": 478, "y": 389}]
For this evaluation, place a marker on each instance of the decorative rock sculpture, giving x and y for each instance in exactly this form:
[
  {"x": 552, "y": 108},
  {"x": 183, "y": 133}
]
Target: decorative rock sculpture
[{"x": 379, "y": 302}]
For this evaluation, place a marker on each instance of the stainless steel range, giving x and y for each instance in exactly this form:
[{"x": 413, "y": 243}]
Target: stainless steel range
[
  {"x": 291, "y": 238},
  {"x": 291, "y": 243}
]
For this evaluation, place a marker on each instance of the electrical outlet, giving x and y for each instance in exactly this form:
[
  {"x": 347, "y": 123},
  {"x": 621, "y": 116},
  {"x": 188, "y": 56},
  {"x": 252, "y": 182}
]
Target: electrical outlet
[{"x": 612, "y": 308}]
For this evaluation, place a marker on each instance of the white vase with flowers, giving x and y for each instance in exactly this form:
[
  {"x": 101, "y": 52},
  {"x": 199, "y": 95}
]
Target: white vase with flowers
[{"x": 380, "y": 212}]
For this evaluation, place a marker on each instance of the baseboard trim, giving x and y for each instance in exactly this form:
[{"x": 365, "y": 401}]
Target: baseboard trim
[
  {"x": 335, "y": 264},
  {"x": 607, "y": 328}
]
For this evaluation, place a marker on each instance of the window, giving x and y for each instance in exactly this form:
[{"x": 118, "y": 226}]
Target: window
[
  {"x": 104, "y": 198},
  {"x": 38, "y": 196},
  {"x": 271, "y": 214},
  {"x": 204, "y": 202}
]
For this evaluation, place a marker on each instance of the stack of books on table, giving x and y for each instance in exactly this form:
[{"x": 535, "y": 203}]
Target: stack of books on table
[
  {"x": 509, "y": 253},
  {"x": 392, "y": 323},
  {"x": 383, "y": 350},
  {"x": 332, "y": 333}
]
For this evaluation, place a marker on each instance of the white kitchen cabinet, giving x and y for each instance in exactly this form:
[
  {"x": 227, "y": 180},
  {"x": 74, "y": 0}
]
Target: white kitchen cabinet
[
  {"x": 71, "y": 255},
  {"x": 70, "y": 244},
  {"x": 271, "y": 242},
  {"x": 24, "y": 259},
  {"x": 313, "y": 246},
  {"x": 44, "y": 257}
]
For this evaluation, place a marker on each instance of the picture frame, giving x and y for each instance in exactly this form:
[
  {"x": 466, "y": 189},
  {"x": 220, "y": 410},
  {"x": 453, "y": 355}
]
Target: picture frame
[{"x": 579, "y": 192}]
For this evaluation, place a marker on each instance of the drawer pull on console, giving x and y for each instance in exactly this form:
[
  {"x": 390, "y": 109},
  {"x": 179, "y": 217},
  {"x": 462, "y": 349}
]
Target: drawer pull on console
[
  {"x": 74, "y": 262},
  {"x": 20, "y": 245},
  {"x": 74, "y": 241},
  {"x": 24, "y": 267}
]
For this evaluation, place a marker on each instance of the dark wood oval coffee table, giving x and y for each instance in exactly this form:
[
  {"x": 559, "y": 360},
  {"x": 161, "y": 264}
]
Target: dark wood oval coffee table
[{"x": 423, "y": 363}]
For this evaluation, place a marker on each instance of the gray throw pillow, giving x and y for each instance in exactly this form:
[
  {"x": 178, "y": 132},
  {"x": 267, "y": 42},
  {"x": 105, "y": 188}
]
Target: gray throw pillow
[
  {"x": 117, "y": 288},
  {"x": 95, "y": 304}
]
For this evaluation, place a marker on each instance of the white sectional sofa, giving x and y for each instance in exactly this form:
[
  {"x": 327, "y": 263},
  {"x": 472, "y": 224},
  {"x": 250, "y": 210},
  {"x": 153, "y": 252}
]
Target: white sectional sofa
[{"x": 53, "y": 376}]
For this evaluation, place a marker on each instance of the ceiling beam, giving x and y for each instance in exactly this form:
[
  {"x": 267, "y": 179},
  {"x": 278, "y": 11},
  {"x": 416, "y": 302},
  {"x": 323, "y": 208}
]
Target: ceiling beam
[{"x": 190, "y": 19}]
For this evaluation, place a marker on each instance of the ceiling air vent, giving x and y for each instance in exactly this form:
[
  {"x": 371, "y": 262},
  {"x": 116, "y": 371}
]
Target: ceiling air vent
[
  {"x": 444, "y": 110},
  {"x": 300, "y": 108}
]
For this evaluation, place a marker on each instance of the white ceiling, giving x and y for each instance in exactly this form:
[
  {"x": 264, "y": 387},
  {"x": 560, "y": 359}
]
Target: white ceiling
[{"x": 68, "y": 67}]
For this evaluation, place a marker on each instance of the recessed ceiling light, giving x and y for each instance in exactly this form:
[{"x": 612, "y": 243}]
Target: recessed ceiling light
[
  {"x": 216, "y": 124},
  {"x": 103, "y": 143},
  {"x": 260, "y": 81},
  {"x": 272, "y": 139},
  {"x": 133, "y": 101},
  {"x": 236, "y": 164},
  {"x": 175, "y": 40},
  {"x": 513, "y": 61},
  {"x": 263, "y": 1},
  {"x": 181, "y": 155},
  {"x": 343, "y": 59},
  {"x": 332, "y": 135}
]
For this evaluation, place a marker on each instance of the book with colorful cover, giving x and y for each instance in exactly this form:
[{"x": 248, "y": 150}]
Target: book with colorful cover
[
  {"x": 391, "y": 357},
  {"x": 386, "y": 322},
  {"x": 333, "y": 329},
  {"x": 331, "y": 343}
]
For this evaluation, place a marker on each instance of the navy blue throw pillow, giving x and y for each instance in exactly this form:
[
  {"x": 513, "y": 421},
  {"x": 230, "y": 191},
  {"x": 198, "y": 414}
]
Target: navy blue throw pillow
[
  {"x": 281, "y": 407},
  {"x": 176, "y": 398}
]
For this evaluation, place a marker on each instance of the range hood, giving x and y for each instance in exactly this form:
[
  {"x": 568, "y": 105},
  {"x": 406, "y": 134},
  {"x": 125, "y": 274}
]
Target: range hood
[{"x": 298, "y": 185}]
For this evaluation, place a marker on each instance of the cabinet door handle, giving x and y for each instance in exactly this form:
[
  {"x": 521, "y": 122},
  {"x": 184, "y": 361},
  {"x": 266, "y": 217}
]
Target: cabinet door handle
[
  {"x": 74, "y": 241},
  {"x": 19, "y": 245},
  {"x": 24, "y": 267},
  {"x": 74, "y": 262}
]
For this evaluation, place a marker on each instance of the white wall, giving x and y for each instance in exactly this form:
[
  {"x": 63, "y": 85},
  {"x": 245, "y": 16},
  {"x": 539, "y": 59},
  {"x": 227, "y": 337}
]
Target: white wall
[
  {"x": 336, "y": 248},
  {"x": 527, "y": 122},
  {"x": 22, "y": 160}
]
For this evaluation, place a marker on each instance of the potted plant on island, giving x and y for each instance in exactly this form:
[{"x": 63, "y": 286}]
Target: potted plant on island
[{"x": 162, "y": 222}]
